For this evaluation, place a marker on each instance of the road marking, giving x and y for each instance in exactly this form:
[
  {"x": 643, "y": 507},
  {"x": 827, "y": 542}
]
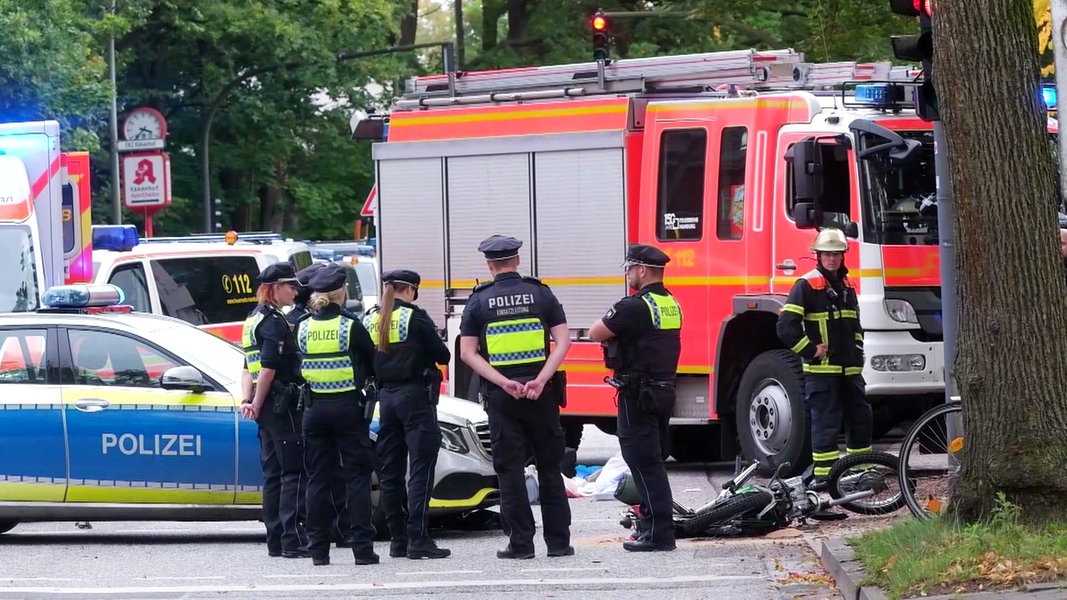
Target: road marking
[
  {"x": 564, "y": 569},
  {"x": 186, "y": 578},
  {"x": 438, "y": 572},
  {"x": 162, "y": 531},
  {"x": 292, "y": 575},
  {"x": 37, "y": 579},
  {"x": 614, "y": 582}
]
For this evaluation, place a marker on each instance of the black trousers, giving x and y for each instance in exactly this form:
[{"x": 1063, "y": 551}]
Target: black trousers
[
  {"x": 831, "y": 399},
  {"x": 514, "y": 424},
  {"x": 408, "y": 431},
  {"x": 332, "y": 427},
  {"x": 284, "y": 480},
  {"x": 644, "y": 416}
]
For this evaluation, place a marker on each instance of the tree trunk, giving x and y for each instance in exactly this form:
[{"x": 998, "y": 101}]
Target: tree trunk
[
  {"x": 1012, "y": 353},
  {"x": 491, "y": 12},
  {"x": 516, "y": 20},
  {"x": 461, "y": 31},
  {"x": 409, "y": 25}
]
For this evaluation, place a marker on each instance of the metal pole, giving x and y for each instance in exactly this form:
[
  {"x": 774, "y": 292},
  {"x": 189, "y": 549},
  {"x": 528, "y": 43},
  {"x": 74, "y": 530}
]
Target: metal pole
[
  {"x": 1058, "y": 8},
  {"x": 116, "y": 185},
  {"x": 946, "y": 238}
]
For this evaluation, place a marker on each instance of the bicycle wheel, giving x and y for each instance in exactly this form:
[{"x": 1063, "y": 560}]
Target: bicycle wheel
[
  {"x": 867, "y": 471},
  {"x": 730, "y": 509},
  {"x": 929, "y": 459}
]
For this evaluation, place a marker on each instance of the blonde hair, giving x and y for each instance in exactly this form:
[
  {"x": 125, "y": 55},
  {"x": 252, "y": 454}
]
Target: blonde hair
[
  {"x": 385, "y": 316},
  {"x": 320, "y": 300}
]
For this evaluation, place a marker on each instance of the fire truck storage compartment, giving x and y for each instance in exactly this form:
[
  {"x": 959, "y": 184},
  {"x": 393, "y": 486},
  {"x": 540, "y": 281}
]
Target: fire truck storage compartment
[{"x": 411, "y": 211}]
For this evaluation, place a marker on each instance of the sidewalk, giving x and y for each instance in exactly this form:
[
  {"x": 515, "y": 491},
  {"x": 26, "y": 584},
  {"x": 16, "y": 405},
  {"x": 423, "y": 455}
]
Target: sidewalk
[{"x": 840, "y": 562}]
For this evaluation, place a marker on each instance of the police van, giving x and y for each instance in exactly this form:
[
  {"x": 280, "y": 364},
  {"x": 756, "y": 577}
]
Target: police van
[
  {"x": 110, "y": 414},
  {"x": 208, "y": 281}
]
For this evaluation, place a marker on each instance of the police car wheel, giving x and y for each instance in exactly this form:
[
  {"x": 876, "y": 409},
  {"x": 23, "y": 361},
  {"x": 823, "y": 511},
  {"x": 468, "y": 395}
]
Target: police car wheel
[
  {"x": 6, "y": 526},
  {"x": 771, "y": 418}
]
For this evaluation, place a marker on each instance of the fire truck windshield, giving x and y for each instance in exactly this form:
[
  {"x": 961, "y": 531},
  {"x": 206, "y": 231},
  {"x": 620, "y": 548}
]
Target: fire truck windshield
[
  {"x": 899, "y": 201},
  {"x": 18, "y": 272}
]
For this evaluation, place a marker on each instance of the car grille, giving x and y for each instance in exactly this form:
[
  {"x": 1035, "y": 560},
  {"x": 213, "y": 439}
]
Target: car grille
[{"x": 481, "y": 431}]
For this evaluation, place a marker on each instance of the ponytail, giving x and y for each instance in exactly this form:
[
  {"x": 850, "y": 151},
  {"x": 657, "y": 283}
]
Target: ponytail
[{"x": 385, "y": 316}]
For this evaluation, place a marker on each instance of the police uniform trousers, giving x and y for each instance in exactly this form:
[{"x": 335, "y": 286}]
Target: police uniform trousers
[
  {"x": 284, "y": 481},
  {"x": 334, "y": 425},
  {"x": 515, "y": 423},
  {"x": 408, "y": 426},
  {"x": 643, "y": 419},
  {"x": 339, "y": 497},
  {"x": 829, "y": 399}
]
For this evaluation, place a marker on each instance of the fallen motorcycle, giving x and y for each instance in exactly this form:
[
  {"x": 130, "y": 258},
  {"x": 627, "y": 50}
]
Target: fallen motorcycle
[{"x": 744, "y": 509}]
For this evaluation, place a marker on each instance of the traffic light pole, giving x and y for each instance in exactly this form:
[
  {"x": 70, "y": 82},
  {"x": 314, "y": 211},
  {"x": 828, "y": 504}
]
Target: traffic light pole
[
  {"x": 946, "y": 235},
  {"x": 1058, "y": 9}
]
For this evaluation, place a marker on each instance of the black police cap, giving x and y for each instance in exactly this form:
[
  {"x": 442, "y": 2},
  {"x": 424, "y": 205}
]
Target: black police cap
[
  {"x": 500, "y": 247},
  {"x": 280, "y": 272},
  {"x": 304, "y": 275},
  {"x": 402, "y": 276},
  {"x": 645, "y": 255},
  {"x": 327, "y": 279}
]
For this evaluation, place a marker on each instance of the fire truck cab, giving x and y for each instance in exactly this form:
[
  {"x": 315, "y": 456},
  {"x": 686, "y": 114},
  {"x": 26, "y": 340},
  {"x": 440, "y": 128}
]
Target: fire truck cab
[{"x": 729, "y": 162}]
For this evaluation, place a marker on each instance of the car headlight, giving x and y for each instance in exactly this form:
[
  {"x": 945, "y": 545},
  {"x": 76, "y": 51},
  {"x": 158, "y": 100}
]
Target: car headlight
[
  {"x": 901, "y": 311},
  {"x": 452, "y": 438}
]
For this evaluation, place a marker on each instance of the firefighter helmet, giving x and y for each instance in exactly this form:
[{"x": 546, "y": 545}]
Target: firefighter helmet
[{"x": 830, "y": 239}]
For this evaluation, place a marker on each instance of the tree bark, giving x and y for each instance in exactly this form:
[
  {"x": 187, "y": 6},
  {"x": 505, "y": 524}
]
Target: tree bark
[
  {"x": 491, "y": 13},
  {"x": 1012, "y": 352},
  {"x": 409, "y": 24},
  {"x": 516, "y": 20}
]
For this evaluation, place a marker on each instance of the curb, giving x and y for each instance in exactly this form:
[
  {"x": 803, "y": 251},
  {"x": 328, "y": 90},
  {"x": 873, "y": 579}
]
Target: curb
[{"x": 840, "y": 561}]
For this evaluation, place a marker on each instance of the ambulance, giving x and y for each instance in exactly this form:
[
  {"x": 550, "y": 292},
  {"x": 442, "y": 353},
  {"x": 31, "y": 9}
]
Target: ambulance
[
  {"x": 45, "y": 214},
  {"x": 728, "y": 161}
]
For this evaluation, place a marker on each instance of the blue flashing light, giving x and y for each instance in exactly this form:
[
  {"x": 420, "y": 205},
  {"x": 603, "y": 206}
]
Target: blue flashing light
[
  {"x": 115, "y": 237},
  {"x": 1048, "y": 96},
  {"x": 875, "y": 94},
  {"x": 83, "y": 295}
]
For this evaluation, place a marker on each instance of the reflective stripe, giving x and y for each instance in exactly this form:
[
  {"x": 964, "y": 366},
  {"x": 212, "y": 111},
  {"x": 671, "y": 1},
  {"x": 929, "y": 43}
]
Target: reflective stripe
[
  {"x": 515, "y": 342},
  {"x": 326, "y": 365},
  {"x": 819, "y": 369},
  {"x": 250, "y": 345},
  {"x": 399, "y": 322},
  {"x": 803, "y": 343},
  {"x": 849, "y": 314},
  {"x": 794, "y": 308},
  {"x": 853, "y": 370},
  {"x": 823, "y": 462},
  {"x": 858, "y": 450},
  {"x": 665, "y": 311},
  {"x": 819, "y": 316},
  {"x": 859, "y": 337}
]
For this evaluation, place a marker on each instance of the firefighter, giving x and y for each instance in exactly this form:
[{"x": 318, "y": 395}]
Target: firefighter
[
  {"x": 504, "y": 338},
  {"x": 337, "y": 490},
  {"x": 641, "y": 335},
  {"x": 338, "y": 356},
  {"x": 405, "y": 366},
  {"x": 820, "y": 321},
  {"x": 268, "y": 384}
]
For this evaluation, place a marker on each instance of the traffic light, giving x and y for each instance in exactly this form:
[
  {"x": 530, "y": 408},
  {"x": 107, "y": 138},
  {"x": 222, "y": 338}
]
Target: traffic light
[
  {"x": 216, "y": 206},
  {"x": 919, "y": 48},
  {"x": 601, "y": 38}
]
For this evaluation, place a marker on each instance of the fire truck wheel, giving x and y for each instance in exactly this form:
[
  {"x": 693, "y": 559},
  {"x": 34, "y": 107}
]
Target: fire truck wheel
[{"x": 771, "y": 420}]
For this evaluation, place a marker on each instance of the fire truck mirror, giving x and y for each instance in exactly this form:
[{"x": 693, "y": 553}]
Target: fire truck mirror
[
  {"x": 806, "y": 159},
  {"x": 804, "y": 215},
  {"x": 852, "y": 230}
]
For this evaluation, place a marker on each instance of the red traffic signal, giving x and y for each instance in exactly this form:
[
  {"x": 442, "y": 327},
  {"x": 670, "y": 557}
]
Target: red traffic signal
[
  {"x": 601, "y": 38},
  {"x": 600, "y": 23}
]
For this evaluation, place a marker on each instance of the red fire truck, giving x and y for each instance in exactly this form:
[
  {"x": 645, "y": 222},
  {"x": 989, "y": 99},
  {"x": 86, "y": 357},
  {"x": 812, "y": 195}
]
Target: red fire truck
[{"x": 729, "y": 162}]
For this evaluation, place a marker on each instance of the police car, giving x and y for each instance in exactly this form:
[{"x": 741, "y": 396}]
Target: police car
[{"x": 110, "y": 414}]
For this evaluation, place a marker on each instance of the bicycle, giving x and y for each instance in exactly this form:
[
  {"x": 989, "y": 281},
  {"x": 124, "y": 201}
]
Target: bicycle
[
  {"x": 928, "y": 462},
  {"x": 754, "y": 509}
]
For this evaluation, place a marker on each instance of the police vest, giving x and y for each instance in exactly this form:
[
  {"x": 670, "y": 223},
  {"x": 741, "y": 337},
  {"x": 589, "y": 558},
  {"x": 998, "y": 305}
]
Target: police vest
[
  {"x": 326, "y": 365},
  {"x": 518, "y": 341},
  {"x": 399, "y": 325},
  {"x": 665, "y": 311},
  {"x": 250, "y": 344}
]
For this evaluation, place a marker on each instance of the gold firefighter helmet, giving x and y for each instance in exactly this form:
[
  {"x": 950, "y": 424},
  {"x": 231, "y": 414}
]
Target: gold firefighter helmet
[{"x": 830, "y": 239}]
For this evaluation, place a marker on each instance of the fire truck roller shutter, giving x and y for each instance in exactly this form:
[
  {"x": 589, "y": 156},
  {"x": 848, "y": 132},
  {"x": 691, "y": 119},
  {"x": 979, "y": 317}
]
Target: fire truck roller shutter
[
  {"x": 771, "y": 419},
  {"x": 411, "y": 200}
]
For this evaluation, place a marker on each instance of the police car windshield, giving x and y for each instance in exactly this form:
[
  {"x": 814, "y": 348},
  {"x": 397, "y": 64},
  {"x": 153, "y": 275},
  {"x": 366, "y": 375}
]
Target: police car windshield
[
  {"x": 18, "y": 272},
  {"x": 368, "y": 278},
  {"x": 899, "y": 201},
  {"x": 216, "y": 357}
]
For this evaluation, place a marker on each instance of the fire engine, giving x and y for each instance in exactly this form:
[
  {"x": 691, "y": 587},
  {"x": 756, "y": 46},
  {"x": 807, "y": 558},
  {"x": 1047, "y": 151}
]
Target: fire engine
[
  {"x": 45, "y": 214},
  {"x": 729, "y": 162}
]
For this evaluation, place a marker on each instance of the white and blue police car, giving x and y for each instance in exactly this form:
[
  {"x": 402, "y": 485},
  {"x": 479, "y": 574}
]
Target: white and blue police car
[{"x": 110, "y": 414}]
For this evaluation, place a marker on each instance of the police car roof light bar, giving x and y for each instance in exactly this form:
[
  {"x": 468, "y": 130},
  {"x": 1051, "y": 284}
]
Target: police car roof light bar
[
  {"x": 255, "y": 237},
  {"x": 82, "y": 297},
  {"x": 119, "y": 238}
]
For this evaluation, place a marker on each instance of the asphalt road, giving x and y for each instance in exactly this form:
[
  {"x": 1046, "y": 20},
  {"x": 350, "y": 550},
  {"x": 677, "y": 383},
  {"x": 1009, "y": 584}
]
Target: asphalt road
[{"x": 211, "y": 560}]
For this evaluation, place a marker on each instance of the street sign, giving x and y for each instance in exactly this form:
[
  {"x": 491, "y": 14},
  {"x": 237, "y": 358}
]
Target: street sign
[
  {"x": 371, "y": 203},
  {"x": 133, "y": 145},
  {"x": 146, "y": 180}
]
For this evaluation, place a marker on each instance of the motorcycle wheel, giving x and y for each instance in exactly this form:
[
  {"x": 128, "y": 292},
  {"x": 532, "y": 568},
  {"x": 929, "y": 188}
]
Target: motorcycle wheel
[
  {"x": 727, "y": 511},
  {"x": 882, "y": 467}
]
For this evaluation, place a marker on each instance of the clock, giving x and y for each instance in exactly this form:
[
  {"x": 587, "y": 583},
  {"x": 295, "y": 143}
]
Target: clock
[{"x": 144, "y": 123}]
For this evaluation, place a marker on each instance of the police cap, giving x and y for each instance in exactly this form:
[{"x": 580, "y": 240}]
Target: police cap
[
  {"x": 304, "y": 275},
  {"x": 500, "y": 247},
  {"x": 328, "y": 278},
  {"x": 280, "y": 272},
  {"x": 646, "y": 256},
  {"x": 402, "y": 276}
]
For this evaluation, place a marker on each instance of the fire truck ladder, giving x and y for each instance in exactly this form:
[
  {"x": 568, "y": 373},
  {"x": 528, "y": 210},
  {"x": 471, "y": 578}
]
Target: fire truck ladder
[{"x": 710, "y": 71}]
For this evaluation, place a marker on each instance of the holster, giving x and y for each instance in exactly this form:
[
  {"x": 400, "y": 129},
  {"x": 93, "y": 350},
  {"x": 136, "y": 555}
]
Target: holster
[
  {"x": 433, "y": 378},
  {"x": 284, "y": 396},
  {"x": 370, "y": 398}
]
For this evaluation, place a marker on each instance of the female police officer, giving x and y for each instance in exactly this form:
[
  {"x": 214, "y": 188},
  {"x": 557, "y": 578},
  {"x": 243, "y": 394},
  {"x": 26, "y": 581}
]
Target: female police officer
[
  {"x": 408, "y": 348},
  {"x": 271, "y": 367},
  {"x": 337, "y": 357}
]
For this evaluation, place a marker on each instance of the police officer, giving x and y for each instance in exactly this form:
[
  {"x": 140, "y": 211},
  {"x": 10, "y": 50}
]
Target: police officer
[
  {"x": 337, "y": 489},
  {"x": 641, "y": 335},
  {"x": 820, "y": 321},
  {"x": 338, "y": 356},
  {"x": 272, "y": 368},
  {"x": 504, "y": 338},
  {"x": 409, "y": 349}
]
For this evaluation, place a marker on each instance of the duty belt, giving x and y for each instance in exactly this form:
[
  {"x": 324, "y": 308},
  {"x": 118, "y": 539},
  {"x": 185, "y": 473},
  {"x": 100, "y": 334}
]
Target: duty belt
[{"x": 638, "y": 380}]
